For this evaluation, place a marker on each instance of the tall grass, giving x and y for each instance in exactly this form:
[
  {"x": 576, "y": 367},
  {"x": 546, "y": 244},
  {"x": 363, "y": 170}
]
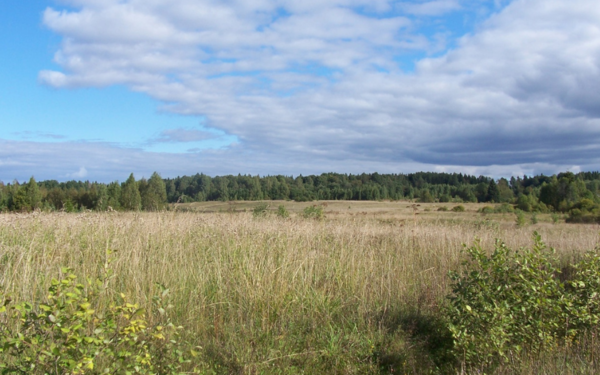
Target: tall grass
[{"x": 349, "y": 294}]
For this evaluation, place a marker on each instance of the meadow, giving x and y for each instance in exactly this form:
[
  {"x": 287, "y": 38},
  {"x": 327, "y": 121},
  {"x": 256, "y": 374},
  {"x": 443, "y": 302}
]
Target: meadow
[{"x": 358, "y": 291}]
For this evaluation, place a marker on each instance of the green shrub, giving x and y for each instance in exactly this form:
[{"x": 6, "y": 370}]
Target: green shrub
[
  {"x": 69, "y": 334},
  {"x": 513, "y": 303},
  {"x": 459, "y": 208},
  {"x": 314, "y": 212},
  {"x": 486, "y": 210},
  {"x": 555, "y": 218},
  {"x": 504, "y": 208},
  {"x": 282, "y": 212},
  {"x": 443, "y": 208},
  {"x": 520, "y": 218},
  {"x": 261, "y": 210},
  {"x": 534, "y": 219}
]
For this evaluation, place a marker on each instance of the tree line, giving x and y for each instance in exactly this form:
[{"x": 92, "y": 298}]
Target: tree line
[{"x": 577, "y": 194}]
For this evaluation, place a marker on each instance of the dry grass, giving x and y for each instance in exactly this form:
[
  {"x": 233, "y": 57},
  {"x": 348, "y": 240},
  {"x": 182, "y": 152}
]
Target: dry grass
[{"x": 268, "y": 295}]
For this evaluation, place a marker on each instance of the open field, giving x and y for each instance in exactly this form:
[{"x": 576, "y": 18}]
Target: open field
[{"x": 354, "y": 293}]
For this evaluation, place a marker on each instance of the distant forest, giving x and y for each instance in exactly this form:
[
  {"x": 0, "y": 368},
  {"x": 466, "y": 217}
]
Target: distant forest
[{"x": 576, "y": 194}]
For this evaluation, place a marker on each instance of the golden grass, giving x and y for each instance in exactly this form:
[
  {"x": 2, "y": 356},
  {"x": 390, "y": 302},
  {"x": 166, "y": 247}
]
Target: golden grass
[{"x": 271, "y": 295}]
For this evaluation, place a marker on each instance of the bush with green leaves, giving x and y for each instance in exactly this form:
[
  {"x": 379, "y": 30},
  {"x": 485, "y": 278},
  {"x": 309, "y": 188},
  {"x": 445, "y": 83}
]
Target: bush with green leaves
[
  {"x": 261, "y": 210},
  {"x": 313, "y": 212},
  {"x": 282, "y": 212},
  {"x": 70, "y": 333},
  {"x": 459, "y": 208},
  {"x": 520, "y": 219},
  {"x": 512, "y": 303},
  {"x": 486, "y": 210}
]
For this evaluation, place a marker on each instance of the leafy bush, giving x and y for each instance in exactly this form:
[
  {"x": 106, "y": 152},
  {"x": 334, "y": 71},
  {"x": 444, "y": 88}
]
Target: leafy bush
[
  {"x": 486, "y": 210},
  {"x": 555, "y": 218},
  {"x": 282, "y": 212},
  {"x": 504, "y": 208},
  {"x": 534, "y": 219},
  {"x": 520, "y": 218},
  {"x": 69, "y": 334},
  {"x": 443, "y": 208},
  {"x": 512, "y": 302},
  {"x": 459, "y": 208},
  {"x": 261, "y": 210},
  {"x": 314, "y": 212}
]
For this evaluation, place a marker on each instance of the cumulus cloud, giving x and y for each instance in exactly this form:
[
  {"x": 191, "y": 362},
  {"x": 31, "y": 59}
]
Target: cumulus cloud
[
  {"x": 311, "y": 82},
  {"x": 81, "y": 173}
]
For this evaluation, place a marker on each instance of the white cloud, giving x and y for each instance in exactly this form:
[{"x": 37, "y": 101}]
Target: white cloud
[
  {"x": 313, "y": 82},
  {"x": 81, "y": 173},
  {"x": 430, "y": 8}
]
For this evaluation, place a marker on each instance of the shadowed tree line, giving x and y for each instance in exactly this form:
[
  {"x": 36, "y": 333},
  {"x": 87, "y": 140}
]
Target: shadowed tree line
[{"x": 576, "y": 194}]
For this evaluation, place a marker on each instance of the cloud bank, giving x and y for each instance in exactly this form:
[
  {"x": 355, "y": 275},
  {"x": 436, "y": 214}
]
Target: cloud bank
[{"x": 312, "y": 86}]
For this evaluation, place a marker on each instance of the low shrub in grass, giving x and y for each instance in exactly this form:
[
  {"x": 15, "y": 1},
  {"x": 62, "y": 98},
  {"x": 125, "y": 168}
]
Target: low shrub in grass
[
  {"x": 486, "y": 210},
  {"x": 443, "y": 208},
  {"x": 520, "y": 219},
  {"x": 261, "y": 210},
  {"x": 512, "y": 303},
  {"x": 283, "y": 212},
  {"x": 459, "y": 208},
  {"x": 505, "y": 208},
  {"x": 68, "y": 333},
  {"x": 313, "y": 212}
]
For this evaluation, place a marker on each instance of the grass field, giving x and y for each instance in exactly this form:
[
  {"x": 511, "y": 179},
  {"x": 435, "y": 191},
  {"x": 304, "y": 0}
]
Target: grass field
[{"x": 357, "y": 292}]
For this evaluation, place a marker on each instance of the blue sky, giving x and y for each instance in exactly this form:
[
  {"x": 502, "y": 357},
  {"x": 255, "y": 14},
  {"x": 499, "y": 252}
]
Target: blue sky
[
  {"x": 35, "y": 112},
  {"x": 96, "y": 89}
]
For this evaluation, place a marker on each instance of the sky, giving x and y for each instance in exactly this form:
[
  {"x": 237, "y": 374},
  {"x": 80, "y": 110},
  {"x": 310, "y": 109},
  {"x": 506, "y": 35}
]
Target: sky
[{"x": 98, "y": 89}]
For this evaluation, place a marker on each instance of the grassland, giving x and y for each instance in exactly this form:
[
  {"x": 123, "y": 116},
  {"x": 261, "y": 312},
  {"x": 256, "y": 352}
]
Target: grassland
[{"x": 357, "y": 292}]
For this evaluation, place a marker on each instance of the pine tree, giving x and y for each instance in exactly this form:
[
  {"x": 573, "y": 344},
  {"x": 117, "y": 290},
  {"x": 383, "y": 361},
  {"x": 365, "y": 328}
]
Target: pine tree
[{"x": 493, "y": 193}]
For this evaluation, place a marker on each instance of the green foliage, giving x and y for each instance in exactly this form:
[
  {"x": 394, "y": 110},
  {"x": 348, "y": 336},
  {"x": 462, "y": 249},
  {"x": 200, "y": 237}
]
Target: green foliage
[
  {"x": 425, "y": 196},
  {"x": 34, "y": 197},
  {"x": 261, "y": 210},
  {"x": 444, "y": 198},
  {"x": 534, "y": 219},
  {"x": 69, "y": 206},
  {"x": 584, "y": 211},
  {"x": 68, "y": 333},
  {"x": 555, "y": 218},
  {"x": 536, "y": 194},
  {"x": 504, "y": 208},
  {"x": 20, "y": 201},
  {"x": 114, "y": 195},
  {"x": 459, "y": 208},
  {"x": 154, "y": 195},
  {"x": 486, "y": 210},
  {"x": 583, "y": 306},
  {"x": 313, "y": 212},
  {"x": 512, "y": 302},
  {"x": 520, "y": 218},
  {"x": 443, "y": 208},
  {"x": 130, "y": 195},
  {"x": 282, "y": 212},
  {"x": 493, "y": 193}
]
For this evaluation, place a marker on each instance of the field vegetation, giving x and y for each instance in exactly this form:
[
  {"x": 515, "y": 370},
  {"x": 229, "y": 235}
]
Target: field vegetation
[{"x": 282, "y": 287}]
